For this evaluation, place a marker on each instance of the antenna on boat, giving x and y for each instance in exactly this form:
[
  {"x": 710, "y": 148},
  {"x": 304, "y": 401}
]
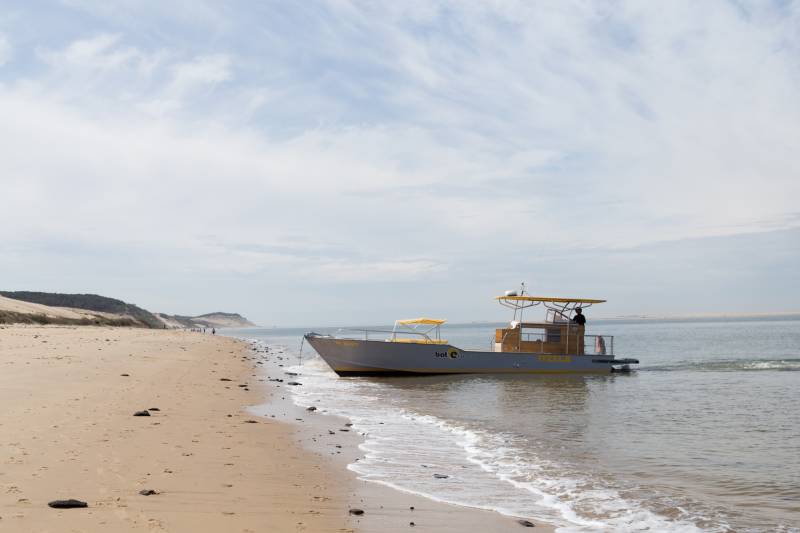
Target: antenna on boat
[{"x": 521, "y": 293}]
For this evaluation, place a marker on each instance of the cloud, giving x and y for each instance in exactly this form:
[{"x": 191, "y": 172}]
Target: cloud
[
  {"x": 201, "y": 71},
  {"x": 344, "y": 141},
  {"x": 97, "y": 53}
]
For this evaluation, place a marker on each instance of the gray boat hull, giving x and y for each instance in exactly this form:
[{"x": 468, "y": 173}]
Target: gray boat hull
[{"x": 353, "y": 357}]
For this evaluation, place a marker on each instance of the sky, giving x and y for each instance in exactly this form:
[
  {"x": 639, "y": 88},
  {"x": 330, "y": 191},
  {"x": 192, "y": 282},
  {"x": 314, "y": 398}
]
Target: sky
[{"x": 340, "y": 162}]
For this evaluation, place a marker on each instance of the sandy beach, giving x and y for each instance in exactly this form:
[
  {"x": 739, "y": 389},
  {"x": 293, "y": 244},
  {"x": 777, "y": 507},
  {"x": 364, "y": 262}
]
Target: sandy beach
[{"x": 67, "y": 430}]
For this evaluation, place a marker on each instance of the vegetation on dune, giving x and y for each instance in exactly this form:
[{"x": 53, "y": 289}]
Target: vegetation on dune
[
  {"x": 221, "y": 314},
  {"x": 89, "y": 302},
  {"x": 11, "y": 317}
]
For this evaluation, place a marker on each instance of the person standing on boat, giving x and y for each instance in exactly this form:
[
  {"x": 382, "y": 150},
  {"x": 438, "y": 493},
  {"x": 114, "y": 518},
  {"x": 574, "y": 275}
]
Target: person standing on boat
[{"x": 580, "y": 320}]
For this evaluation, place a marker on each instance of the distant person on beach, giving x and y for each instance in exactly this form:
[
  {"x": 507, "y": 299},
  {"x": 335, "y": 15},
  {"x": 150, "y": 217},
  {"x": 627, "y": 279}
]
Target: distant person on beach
[
  {"x": 213, "y": 331},
  {"x": 579, "y": 318}
]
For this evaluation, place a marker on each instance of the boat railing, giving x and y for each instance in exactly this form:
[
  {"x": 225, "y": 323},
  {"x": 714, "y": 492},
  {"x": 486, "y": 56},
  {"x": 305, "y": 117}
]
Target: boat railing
[
  {"x": 598, "y": 345},
  {"x": 365, "y": 333},
  {"x": 592, "y": 344}
]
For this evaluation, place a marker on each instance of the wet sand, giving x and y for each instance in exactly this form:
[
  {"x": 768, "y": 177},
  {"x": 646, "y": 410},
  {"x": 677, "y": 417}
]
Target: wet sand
[{"x": 67, "y": 430}]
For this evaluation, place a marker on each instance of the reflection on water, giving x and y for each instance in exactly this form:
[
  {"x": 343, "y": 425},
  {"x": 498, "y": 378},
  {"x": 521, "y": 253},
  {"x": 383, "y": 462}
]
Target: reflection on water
[{"x": 705, "y": 435}]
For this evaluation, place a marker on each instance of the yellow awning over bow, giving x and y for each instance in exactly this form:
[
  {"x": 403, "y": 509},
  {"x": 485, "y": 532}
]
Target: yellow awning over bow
[{"x": 422, "y": 320}]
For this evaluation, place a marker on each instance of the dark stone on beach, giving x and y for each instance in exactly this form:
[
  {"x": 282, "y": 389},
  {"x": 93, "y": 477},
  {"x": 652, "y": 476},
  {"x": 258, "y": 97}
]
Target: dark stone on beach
[
  {"x": 331, "y": 432},
  {"x": 312, "y": 408},
  {"x": 243, "y": 385},
  {"x": 148, "y": 492},
  {"x": 141, "y": 413},
  {"x": 125, "y": 375},
  {"x": 251, "y": 421},
  {"x": 293, "y": 383},
  {"x": 224, "y": 379},
  {"x": 154, "y": 409},
  {"x": 290, "y": 373},
  {"x": 357, "y": 512},
  {"x": 441, "y": 476},
  {"x": 412, "y": 524},
  {"x": 526, "y": 523},
  {"x": 344, "y": 430},
  {"x": 67, "y": 504},
  {"x": 348, "y": 424},
  {"x": 412, "y": 507}
]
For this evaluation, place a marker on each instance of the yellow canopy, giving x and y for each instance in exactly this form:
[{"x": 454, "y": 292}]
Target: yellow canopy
[
  {"x": 549, "y": 299},
  {"x": 422, "y": 320}
]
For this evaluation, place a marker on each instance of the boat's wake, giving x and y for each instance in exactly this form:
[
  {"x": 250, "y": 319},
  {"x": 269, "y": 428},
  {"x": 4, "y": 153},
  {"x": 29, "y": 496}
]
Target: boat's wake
[{"x": 728, "y": 365}]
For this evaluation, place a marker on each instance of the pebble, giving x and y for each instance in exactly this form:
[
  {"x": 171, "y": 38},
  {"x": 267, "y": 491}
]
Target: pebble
[
  {"x": 141, "y": 413},
  {"x": 357, "y": 512},
  {"x": 526, "y": 523},
  {"x": 67, "y": 504},
  {"x": 148, "y": 492}
]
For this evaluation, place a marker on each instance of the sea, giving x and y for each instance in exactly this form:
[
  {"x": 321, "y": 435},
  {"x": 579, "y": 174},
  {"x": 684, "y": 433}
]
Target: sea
[{"x": 704, "y": 436}]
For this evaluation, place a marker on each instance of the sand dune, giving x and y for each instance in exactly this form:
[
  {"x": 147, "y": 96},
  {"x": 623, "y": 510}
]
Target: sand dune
[{"x": 28, "y": 308}]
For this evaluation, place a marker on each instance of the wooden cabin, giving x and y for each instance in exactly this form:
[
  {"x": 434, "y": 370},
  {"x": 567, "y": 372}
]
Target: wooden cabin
[{"x": 563, "y": 338}]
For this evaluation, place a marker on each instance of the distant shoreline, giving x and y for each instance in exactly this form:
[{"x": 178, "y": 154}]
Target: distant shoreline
[{"x": 704, "y": 317}]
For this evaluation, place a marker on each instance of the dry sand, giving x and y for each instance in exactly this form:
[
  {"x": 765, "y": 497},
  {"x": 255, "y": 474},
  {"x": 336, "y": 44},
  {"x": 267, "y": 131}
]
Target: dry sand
[{"x": 67, "y": 430}]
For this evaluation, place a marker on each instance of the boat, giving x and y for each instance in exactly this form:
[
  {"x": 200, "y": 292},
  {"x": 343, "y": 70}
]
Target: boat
[{"x": 555, "y": 344}]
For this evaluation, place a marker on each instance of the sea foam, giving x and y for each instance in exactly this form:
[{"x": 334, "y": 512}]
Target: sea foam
[{"x": 403, "y": 449}]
